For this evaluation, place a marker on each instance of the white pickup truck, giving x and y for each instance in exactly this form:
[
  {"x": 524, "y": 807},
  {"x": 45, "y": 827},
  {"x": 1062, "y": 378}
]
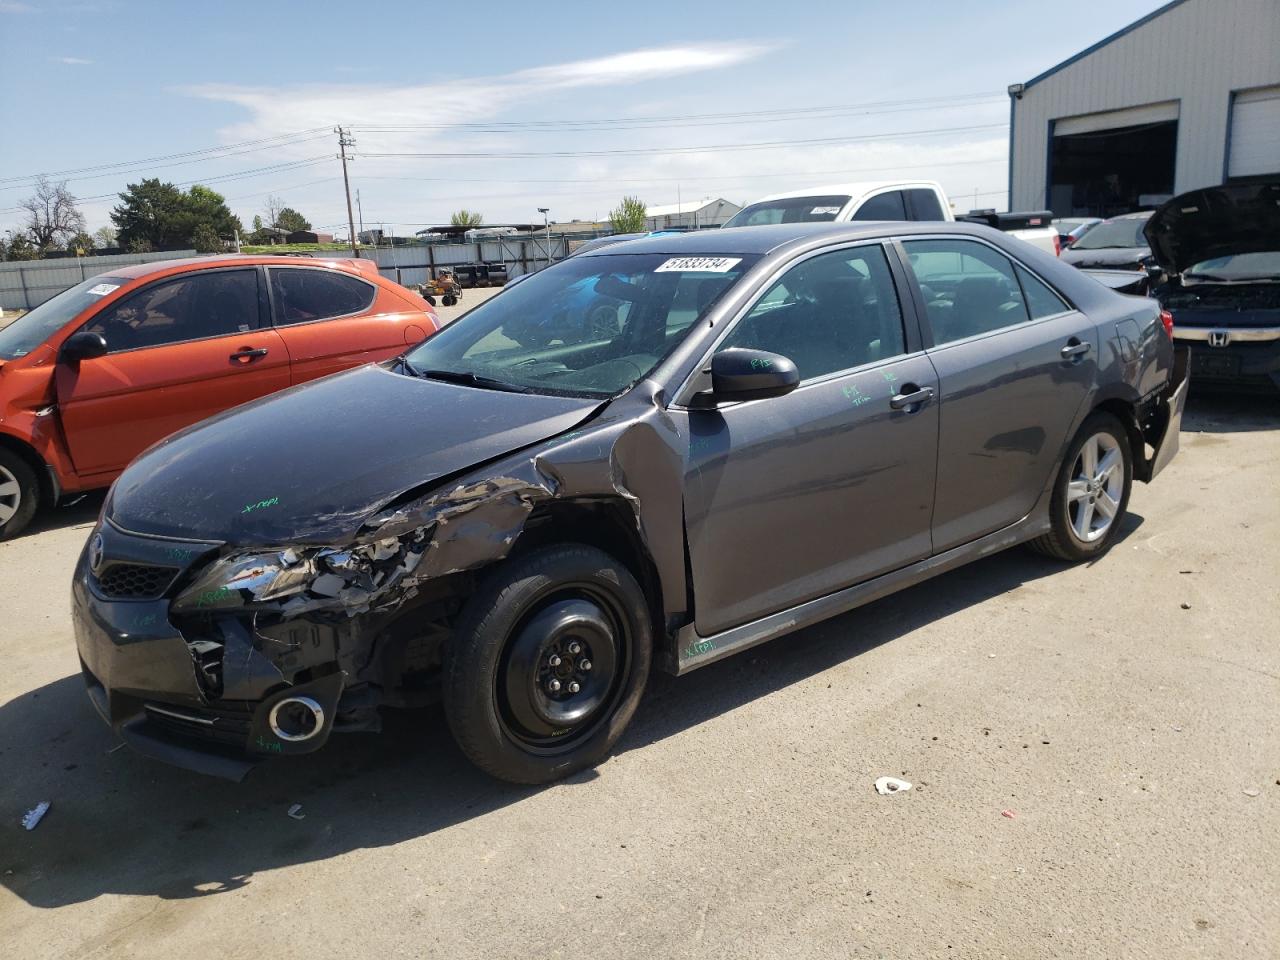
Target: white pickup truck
[{"x": 890, "y": 200}]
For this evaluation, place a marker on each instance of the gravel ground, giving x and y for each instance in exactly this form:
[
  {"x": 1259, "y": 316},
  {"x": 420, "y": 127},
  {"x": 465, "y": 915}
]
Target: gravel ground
[{"x": 1094, "y": 751}]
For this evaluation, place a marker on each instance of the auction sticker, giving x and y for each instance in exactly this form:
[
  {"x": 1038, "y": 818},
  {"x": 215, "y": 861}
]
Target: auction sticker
[
  {"x": 102, "y": 289},
  {"x": 823, "y": 211},
  {"x": 699, "y": 265}
]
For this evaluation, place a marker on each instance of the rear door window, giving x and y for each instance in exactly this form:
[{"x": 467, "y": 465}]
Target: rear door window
[
  {"x": 925, "y": 205},
  {"x": 305, "y": 295},
  {"x": 196, "y": 306},
  {"x": 968, "y": 288},
  {"x": 883, "y": 206}
]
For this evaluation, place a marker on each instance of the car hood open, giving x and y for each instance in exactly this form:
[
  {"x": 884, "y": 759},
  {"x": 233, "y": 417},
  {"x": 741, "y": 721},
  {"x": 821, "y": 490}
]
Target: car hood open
[
  {"x": 1215, "y": 222},
  {"x": 311, "y": 464}
]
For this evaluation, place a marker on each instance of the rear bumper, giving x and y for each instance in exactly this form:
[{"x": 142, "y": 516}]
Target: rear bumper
[
  {"x": 141, "y": 678},
  {"x": 1162, "y": 424}
]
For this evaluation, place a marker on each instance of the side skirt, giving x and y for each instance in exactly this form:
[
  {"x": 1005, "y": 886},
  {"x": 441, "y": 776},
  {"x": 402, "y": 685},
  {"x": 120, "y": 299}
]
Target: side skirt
[{"x": 694, "y": 651}]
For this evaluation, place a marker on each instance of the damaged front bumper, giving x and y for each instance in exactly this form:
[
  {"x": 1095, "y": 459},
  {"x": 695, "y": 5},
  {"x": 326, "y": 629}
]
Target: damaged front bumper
[{"x": 154, "y": 684}]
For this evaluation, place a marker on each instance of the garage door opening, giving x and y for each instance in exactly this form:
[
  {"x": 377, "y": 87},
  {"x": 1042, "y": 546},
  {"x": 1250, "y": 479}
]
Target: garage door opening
[{"x": 1103, "y": 173}]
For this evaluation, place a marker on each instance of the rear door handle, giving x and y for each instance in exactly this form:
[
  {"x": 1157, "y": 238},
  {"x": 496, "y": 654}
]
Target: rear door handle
[
  {"x": 1075, "y": 348},
  {"x": 917, "y": 397},
  {"x": 247, "y": 354}
]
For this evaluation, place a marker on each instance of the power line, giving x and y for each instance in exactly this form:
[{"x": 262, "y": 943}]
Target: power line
[
  {"x": 709, "y": 148},
  {"x": 692, "y": 119}
]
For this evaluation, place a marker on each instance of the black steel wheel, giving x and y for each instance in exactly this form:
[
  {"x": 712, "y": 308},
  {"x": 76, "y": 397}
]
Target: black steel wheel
[{"x": 547, "y": 664}]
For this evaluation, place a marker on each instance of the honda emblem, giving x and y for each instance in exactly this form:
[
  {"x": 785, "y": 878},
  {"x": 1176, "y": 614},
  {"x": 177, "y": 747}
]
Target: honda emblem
[{"x": 1219, "y": 338}]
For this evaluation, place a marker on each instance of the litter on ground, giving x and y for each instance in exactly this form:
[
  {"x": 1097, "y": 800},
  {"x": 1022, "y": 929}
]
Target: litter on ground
[
  {"x": 888, "y": 785},
  {"x": 32, "y": 818}
]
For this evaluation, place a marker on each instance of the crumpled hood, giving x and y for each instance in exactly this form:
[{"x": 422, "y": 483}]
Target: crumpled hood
[
  {"x": 1215, "y": 222},
  {"x": 311, "y": 464},
  {"x": 1114, "y": 258}
]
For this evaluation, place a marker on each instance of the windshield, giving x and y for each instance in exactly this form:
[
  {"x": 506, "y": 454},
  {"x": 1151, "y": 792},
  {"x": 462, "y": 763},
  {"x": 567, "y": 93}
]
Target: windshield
[
  {"x": 34, "y": 328},
  {"x": 1239, "y": 267},
  {"x": 1113, "y": 235},
  {"x": 791, "y": 210},
  {"x": 589, "y": 326}
]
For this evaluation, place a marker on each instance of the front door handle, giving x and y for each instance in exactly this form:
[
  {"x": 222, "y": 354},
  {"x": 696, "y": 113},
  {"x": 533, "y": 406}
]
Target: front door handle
[
  {"x": 248, "y": 354},
  {"x": 1075, "y": 348},
  {"x": 911, "y": 398}
]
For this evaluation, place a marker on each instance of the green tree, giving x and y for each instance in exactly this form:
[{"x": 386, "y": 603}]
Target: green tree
[
  {"x": 629, "y": 217},
  {"x": 159, "y": 215},
  {"x": 20, "y": 248},
  {"x": 81, "y": 244},
  {"x": 206, "y": 240},
  {"x": 466, "y": 218},
  {"x": 291, "y": 220},
  {"x": 257, "y": 223}
]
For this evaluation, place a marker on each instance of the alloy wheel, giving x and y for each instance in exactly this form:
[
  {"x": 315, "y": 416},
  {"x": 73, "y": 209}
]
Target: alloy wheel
[
  {"x": 10, "y": 495},
  {"x": 1096, "y": 487}
]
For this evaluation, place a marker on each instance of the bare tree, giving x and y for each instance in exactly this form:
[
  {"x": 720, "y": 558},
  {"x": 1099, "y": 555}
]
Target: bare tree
[
  {"x": 52, "y": 216},
  {"x": 274, "y": 206},
  {"x": 104, "y": 237}
]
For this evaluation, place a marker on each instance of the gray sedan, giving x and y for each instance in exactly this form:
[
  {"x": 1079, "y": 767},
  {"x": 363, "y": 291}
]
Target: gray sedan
[{"x": 777, "y": 425}]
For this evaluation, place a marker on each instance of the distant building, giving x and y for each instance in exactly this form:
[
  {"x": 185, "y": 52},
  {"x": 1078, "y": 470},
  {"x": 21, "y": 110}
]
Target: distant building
[
  {"x": 308, "y": 236},
  {"x": 690, "y": 215},
  {"x": 1186, "y": 97}
]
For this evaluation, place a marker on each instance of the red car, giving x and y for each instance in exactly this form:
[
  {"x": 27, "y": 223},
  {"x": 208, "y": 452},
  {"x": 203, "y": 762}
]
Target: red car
[{"x": 94, "y": 376}]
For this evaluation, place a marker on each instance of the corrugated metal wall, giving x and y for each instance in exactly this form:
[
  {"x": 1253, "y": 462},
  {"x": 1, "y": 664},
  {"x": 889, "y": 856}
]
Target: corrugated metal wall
[
  {"x": 29, "y": 283},
  {"x": 1197, "y": 52}
]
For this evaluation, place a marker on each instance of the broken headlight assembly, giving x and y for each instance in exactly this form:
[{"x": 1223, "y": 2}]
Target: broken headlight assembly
[{"x": 295, "y": 580}]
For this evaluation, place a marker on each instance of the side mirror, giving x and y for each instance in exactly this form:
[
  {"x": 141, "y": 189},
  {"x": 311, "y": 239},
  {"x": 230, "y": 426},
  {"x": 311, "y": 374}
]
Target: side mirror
[
  {"x": 84, "y": 346},
  {"x": 738, "y": 374}
]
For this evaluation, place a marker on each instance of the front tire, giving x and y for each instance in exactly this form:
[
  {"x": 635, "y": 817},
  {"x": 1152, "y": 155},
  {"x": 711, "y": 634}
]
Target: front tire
[
  {"x": 1091, "y": 494},
  {"x": 19, "y": 493},
  {"x": 547, "y": 664}
]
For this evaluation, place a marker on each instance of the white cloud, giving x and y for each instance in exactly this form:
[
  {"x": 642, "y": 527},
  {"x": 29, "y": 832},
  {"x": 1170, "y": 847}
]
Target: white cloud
[
  {"x": 7, "y": 6},
  {"x": 74, "y": 61}
]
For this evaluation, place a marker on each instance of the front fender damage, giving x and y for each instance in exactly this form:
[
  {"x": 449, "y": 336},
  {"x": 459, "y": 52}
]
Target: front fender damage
[{"x": 294, "y": 614}]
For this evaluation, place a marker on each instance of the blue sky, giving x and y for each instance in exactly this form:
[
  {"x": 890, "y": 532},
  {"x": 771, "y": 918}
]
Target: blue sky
[{"x": 92, "y": 84}]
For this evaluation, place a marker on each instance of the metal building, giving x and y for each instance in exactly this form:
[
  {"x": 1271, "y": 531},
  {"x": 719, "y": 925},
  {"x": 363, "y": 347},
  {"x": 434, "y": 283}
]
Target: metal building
[{"x": 1186, "y": 97}]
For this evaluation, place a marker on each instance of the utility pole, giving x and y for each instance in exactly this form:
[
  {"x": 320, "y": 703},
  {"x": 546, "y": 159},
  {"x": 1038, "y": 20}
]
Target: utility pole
[
  {"x": 547, "y": 225},
  {"x": 359, "y": 211},
  {"x": 345, "y": 141}
]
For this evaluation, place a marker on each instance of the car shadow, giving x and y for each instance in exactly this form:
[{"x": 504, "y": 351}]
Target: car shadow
[
  {"x": 121, "y": 824},
  {"x": 1221, "y": 412},
  {"x": 80, "y": 510}
]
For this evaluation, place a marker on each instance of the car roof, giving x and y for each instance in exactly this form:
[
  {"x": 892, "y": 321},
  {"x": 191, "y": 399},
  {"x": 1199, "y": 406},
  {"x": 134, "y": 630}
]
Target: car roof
[
  {"x": 764, "y": 239},
  {"x": 858, "y": 189},
  {"x": 1140, "y": 215},
  {"x": 139, "y": 270}
]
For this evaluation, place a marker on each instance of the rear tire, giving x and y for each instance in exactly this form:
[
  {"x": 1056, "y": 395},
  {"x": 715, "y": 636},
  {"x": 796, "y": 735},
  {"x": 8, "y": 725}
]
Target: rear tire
[
  {"x": 1091, "y": 493},
  {"x": 19, "y": 493},
  {"x": 547, "y": 664}
]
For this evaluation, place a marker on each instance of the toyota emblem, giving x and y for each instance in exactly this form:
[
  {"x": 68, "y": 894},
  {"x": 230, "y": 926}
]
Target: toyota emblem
[{"x": 95, "y": 553}]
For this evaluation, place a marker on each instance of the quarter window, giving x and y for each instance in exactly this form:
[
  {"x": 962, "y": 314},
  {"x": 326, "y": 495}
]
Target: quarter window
[
  {"x": 831, "y": 312},
  {"x": 304, "y": 295},
  {"x": 968, "y": 288},
  {"x": 192, "y": 307},
  {"x": 883, "y": 206},
  {"x": 924, "y": 205},
  {"x": 1041, "y": 300}
]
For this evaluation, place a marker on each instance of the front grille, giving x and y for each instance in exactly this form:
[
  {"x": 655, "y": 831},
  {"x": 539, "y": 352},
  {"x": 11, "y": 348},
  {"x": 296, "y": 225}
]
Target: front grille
[{"x": 134, "y": 581}]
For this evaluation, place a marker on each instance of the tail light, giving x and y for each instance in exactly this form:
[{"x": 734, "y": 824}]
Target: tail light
[
  {"x": 1166, "y": 319},
  {"x": 1057, "y": 245}
]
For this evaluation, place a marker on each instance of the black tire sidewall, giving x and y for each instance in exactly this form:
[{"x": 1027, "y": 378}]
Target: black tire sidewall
[
  {"x": 474, "y": 653},
  {"x": 1094, "y": 424},
  {"x": 29, "y": 481}
]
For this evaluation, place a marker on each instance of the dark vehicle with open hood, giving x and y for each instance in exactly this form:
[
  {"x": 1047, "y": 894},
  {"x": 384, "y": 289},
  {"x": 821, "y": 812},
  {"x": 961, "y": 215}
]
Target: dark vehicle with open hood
[
  {"x": 785, "y": 422},
  {"x": 1220, "y": 249}
]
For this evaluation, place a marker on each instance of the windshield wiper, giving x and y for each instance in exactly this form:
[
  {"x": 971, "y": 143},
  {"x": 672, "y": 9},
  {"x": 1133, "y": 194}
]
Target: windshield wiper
[{"x": 467, "y": 379}]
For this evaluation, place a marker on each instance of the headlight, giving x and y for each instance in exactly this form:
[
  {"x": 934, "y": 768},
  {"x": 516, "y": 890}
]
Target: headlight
[{"x": 295, "y": 580}]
